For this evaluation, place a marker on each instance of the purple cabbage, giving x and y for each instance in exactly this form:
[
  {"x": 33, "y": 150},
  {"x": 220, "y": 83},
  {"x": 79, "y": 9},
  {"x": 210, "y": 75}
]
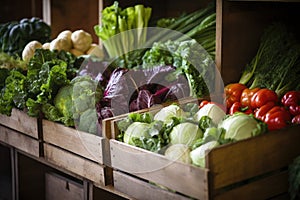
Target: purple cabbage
[{"x": 131, "y": 90}]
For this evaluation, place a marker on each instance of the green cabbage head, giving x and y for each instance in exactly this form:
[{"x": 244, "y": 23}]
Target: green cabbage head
[
  {"x": 198, "y": 154},
  {"x": 136, "y": 132},
  {"x": 211, "y": 110},
  {"x": 185, "y": 133},
  {"x": 179, "y": 152},
  {"x": 168, "y": 112},
  {"x": 242, "y": 126}
]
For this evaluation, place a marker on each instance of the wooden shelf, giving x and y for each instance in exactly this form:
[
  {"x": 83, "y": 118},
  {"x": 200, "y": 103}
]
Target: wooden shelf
[{"x": 240, "y": 25}]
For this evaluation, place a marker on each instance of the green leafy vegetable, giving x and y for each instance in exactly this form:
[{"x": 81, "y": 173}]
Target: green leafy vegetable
[
  {"x": 10, "y": 62},
  {"x": 144, "y": 135},
  {"x": 179, "y": 152},
  {"x": 116, "y": 20},
  {"x": 276, "y": 64},
  {"x": 189, "y": 59},
  {"x": 48, "y": 71},
  {"x": 241, "y": 126},
  {"x": 185, "y": 133},
  {"x": 64, "y": 106},
  {"x": 213, "y": 111},
  {"x": 34, "y": 89},
  {"x": 168, "y": 112},
  {"x": 75, "y": 104},
  {"x": 15, "y": 35},
  {"x": 14, "y": 94},
  {"x": 205, "y": 122},
  {"x": 198, "y": 154}
]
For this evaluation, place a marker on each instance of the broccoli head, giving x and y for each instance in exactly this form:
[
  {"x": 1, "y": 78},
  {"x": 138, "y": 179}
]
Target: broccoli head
[{"x": 77, "y": 103}]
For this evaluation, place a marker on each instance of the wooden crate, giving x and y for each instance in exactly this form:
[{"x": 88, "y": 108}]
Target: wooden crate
[
  {"x": 21, "y": 122},
  {"x": 22, "y": 132},
  {"x": 255, "y": 167},
  {"x": 21, "y": 141},
  {"x": 140, "y": 189},
  {"x": 76, "y": 151}
]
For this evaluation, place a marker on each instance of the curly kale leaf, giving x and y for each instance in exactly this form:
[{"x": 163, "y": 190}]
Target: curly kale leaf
[
  {"x": 48, "y": 71},
  {"x": 50, "y": 78},
  {"x": 14, "y": 93},
  {"x": 190, "y": 60}
]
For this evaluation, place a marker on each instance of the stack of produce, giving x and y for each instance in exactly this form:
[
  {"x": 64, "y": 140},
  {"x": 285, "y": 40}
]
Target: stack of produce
[
  {"x": 264, "y": 104},
  {"x": 115, "y": 20},
  {"x": 15, "y": 35},
  {"x": 269, "y": 85},
  {"x": 126, "y": 37},
  {"x": 185, "y": 132},
  {"x": 199, "y": 25},
  {"x": 35, "y": 87},
  {"x": 78, "y": 43},
  {"x": 35, "y": 73},
  {"x": 276, "y": 65}
]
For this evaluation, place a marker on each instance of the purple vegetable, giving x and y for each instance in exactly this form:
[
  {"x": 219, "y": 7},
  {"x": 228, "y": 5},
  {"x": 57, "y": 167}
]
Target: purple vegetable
[{"x": 131, "y": 90}]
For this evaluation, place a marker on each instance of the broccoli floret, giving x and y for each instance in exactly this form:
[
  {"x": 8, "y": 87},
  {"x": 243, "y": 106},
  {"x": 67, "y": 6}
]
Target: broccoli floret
[{"x": 88, "y": 121}]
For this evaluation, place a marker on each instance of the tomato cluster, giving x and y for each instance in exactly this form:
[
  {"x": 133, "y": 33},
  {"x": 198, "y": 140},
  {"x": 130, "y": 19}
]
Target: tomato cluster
[{"x": 264, "y": 104}]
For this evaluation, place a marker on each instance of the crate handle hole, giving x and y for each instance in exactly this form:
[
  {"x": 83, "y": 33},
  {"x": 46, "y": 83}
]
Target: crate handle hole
[{"x": 67, "y": 185}]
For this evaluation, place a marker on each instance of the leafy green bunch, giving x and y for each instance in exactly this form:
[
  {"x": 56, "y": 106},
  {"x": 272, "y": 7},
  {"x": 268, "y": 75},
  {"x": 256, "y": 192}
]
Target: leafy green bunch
[
  {"x": 30, "y": 90},
  {"x": 276, "y": 65},
  {"x": 116, "y": 20},
  {"x": 189, "y": 59}
]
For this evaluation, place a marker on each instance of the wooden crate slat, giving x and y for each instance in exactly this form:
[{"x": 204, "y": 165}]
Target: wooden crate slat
[
  {"x": 85, "y": 144},
  {"x": 109, "y": 126},
  {"x": 21, "y": 122},
  {"x": 75, "y": 164},
  {"x": 20, "y": 141},
  {"x": 248, "y": 158},
  {"x": 186, "y": 179},
  {"x": 140, "y": 189},
  {"x": 265, "y": 188}
]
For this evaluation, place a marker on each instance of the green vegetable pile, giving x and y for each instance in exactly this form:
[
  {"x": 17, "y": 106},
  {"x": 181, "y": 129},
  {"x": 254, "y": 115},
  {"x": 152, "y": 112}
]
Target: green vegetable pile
[
  {"x": 185, "y": 133},
  {"x": 276, "y": 65},
  {"x": 116, "y": 20},
  {"x": 189, "y": 59},
  {"x": 75, "y": 104},
  {"x": 50, "y": 88},
  {"x": 11, "y": 62},
  {"x": 32, "y": 89},
  {"x": 199, "y": 25},
  {"x": 188, "y": 44},
  {"x": 16, "y": 35}
]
